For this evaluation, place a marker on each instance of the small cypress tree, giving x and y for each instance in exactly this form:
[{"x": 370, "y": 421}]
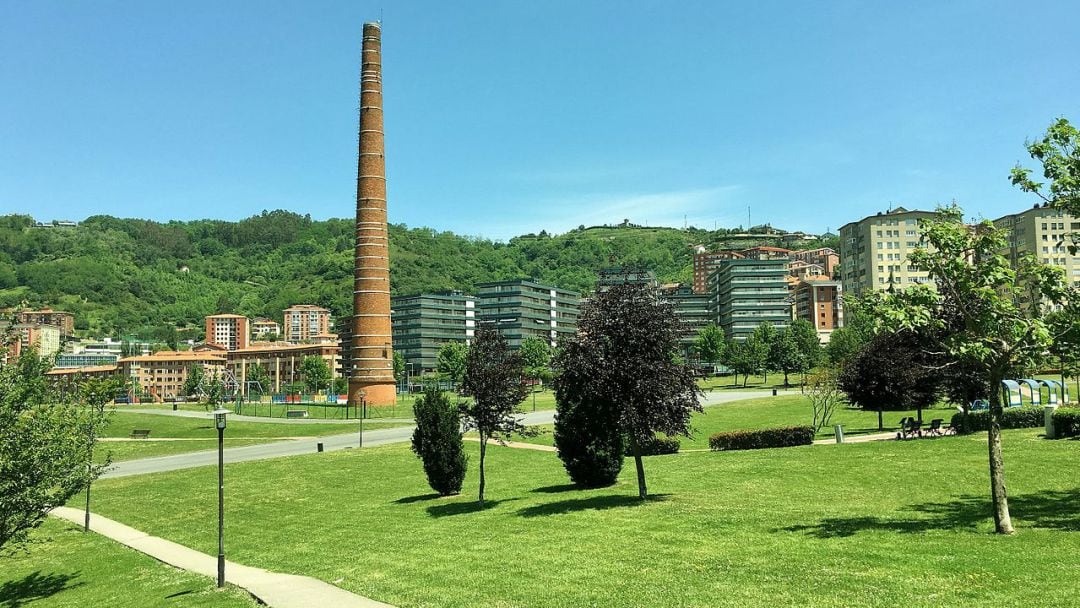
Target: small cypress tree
[
  {"x": 437, "y": 441},
  {"x": 587, "y": 433}
]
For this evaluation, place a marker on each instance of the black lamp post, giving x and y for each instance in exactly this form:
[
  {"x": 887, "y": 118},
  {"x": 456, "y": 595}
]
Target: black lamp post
[
  {"x": 363, "y": 412},
  {"x": 219, "y": 419}
]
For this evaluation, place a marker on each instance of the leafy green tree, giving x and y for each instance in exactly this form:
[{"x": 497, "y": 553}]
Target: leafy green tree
[
  {"x": 710, "y": 344},
  {"x": 1058, "y": 151},
  {"x": 194, "y": 379},
  {"x": 215, "y": 390},
  {"x": 808, "y": 343},
  {"x": 45, "y": 446},
  {"x": 1001, "y": 326},
  {"x": 258, "y": 379},
  {"x": 437, "y": 441},
  {"x": 494, "y": 378},
  {"x": 451, "y": 361},
  {"x": 785, "y": 356},
  {"x": 93, "y": 394},
  {"x": 892, "y": 372},
  {"x": 536, "y": 356},
  {"x": 846, "y": 342},
  {"x": 587, "y": 434},
  {"x": 763, "y": 337},
  {"x": 315, "y": 373},
  {"x": 399, "y": 367},
  {"x": 628, "y": 341}
]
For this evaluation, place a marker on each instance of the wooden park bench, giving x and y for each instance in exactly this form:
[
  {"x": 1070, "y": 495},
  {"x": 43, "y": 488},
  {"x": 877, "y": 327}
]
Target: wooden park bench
[
  {"x": 140, "y": 433},
  {"x": 296, "y": 414}
]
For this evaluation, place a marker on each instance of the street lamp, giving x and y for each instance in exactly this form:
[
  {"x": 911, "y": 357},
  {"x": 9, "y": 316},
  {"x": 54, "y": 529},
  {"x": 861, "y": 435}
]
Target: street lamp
[
  {"x": 219, "y": 419},
  {"x": 363, "y": 410}
]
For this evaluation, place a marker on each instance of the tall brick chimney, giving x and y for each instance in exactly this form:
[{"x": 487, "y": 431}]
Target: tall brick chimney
[{"x": 372, "y": 373}]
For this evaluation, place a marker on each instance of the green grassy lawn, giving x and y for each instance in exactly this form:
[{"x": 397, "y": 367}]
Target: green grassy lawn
[
  {"x": 876, "y": 524},
  {"x": 64, "y": 567},
  {"x": 764, "y": 412},
  {"x": 754, "y": 382},
  {"x": 238, "y": 434},
  {"x": 122, "y": 423},
  {"x": 131, "y": 450}
]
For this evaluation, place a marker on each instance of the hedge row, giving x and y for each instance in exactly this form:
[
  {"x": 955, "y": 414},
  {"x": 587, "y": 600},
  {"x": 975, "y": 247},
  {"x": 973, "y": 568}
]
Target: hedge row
[
  {"x": 1067, "y": 422},
  {"x": 655, "y": 447},
  {"x": 1026, "y": 417},
  {"x": 783, "y": 437}
]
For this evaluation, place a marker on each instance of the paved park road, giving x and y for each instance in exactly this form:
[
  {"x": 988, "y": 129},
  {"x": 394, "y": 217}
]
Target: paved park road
[{"x": 281, "y": 449}]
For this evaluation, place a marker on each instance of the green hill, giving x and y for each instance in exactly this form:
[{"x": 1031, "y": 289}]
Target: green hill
[{"x": 138, "y": 277}]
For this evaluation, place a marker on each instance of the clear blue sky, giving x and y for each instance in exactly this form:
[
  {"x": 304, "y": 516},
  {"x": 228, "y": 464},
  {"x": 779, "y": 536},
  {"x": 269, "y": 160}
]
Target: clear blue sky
[{"x": 509, "y": 117}]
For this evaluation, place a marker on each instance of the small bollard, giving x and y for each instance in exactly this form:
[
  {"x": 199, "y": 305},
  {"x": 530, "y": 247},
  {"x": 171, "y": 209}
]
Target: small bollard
[
  {"x": 1048, "y": 420},
  {"x": 774, "y": 392},
  {"x": 318, "y": 446},
  {"x": 838, "y": 430}
]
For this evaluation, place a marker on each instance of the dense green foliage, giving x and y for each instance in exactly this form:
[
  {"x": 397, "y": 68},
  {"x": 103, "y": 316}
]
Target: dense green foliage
[
  {"x": 656, "y": 446},
  {"x": 626, "y": 350},
  {"x": 783, "y": 437},
  {"x": 129, "y": 276},
  {"x": 437, "y": 441},
  {"x": 590, "y": 444},
  {"x": 495, "y": 381},
  {"x": 46, "y": 444},
  {"x": 1067, "y": 422},
  {"x": 1026, "y": 417}
]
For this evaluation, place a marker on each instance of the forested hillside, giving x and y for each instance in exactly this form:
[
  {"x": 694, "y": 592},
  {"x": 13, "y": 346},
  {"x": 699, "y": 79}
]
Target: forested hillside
[{"x": 138, "y": 277}]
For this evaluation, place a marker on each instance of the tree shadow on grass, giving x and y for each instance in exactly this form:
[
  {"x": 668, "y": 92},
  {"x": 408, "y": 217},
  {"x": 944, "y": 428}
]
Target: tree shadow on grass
[
  {"x": 1052, "y": 510},
  {"x": 408, "y": 500},
  {"x": 594, "y": 503},
  {"x": 565, "y": 487},
  {"x": 34, "y": 586},
  {"x": 461, "y": 508}
]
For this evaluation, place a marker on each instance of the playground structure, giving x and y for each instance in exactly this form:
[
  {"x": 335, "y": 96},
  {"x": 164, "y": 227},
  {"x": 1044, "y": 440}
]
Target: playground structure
[{"x": 1013, "y": 393}]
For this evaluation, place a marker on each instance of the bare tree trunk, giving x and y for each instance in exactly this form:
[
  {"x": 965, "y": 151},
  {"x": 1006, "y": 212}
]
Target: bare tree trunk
[
  {"x": 483, "y": 452},
  {"x": 880, "y": 422},
  {"x": 643, "y": 492},
  {"x": 786, "y": 379},
  {"x": 1000, "y": 498}
]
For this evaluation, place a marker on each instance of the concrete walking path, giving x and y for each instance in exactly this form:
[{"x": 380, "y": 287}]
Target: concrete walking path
[
  {"x": 516, "y": 444},
  {"x": 859, "y": 438},
  {"x": 271, "y": 588}
]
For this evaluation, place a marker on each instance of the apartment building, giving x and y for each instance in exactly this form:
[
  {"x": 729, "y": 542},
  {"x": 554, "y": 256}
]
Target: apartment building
[
  {"x": 231, "y": 332},
  {"x": 263, "y": 328},
  {"x": 707, "y": 262},
  {"x": 694, "y": 311},
  {"x": 622, "y": 275},
  {"x": 44, "y": 338},
  {"x": 1043, "y": 233},
  {"x": 824, "y": 257},
  {"x": 162, "y": 375},
  {"x": 874, "y": 250},
  {"x": 64, "y": 321},
  {"x": 423, "y": 323},
  {"x": 281, "y": 362},
  {"x": 819, "y": 300},
  {"x": 766, "y": 253},
  {"x": 305, "y": 323},
  {"x": 747, "y": 292},
  {"x": 522, "y": 307}
]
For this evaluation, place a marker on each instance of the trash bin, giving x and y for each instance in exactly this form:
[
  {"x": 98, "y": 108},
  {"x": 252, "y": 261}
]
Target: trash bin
[{"x": 838, "y": 430}]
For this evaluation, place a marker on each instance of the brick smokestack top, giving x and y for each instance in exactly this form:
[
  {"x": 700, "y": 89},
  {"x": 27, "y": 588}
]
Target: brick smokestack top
[{"x": 372, "y": 374}]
